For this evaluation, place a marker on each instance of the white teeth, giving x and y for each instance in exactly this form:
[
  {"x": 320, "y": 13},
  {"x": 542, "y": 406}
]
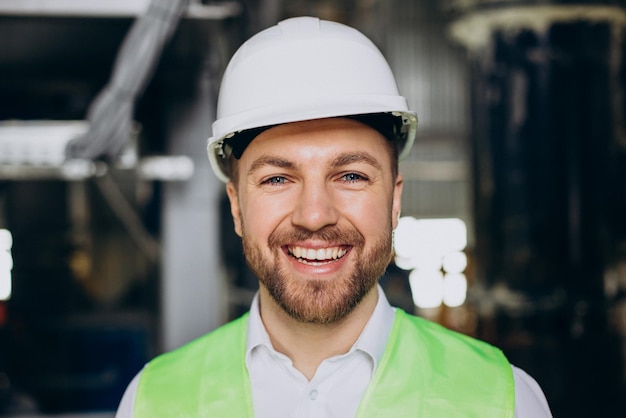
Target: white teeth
[{"x": 321, "y": 254}]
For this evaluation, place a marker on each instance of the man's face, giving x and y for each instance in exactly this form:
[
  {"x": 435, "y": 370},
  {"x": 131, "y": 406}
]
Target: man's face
[{"x": 315, "y": 205}]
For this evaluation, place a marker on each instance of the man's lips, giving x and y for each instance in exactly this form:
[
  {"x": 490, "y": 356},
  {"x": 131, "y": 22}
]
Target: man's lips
[{"x": 317, "y": 254}]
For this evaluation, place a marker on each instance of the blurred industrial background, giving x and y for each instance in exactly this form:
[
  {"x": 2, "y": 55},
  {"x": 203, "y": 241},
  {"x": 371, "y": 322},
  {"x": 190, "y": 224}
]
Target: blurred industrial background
[{"x": 116, "y": 243}]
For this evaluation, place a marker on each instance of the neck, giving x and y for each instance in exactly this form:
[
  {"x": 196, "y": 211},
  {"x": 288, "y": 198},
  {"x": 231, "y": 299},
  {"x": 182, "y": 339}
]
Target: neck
[{"x": 307, "y": 345}]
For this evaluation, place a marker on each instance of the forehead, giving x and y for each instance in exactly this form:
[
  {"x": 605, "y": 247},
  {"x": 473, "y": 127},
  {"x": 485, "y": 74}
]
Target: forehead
[{"x": 320, "y": 137}]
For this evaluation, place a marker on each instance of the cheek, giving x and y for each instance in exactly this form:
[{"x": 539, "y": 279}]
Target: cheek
[
  {"x": 262, "y": 215},
  {"x": 369, "y": 214}
]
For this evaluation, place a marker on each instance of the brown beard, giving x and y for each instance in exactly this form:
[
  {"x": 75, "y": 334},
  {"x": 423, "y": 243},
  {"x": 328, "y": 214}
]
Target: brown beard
[{"x": 319, "y": 301}]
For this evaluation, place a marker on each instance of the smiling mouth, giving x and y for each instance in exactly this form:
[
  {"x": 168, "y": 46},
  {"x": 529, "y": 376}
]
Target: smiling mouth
[{"x": 316, "y": 256}]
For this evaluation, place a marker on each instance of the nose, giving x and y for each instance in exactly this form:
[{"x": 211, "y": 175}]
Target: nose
[{"x": 315, "y": 208}]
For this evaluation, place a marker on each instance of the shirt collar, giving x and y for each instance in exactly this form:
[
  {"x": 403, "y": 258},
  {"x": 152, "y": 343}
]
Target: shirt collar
[{"x": 372, "y": 341}]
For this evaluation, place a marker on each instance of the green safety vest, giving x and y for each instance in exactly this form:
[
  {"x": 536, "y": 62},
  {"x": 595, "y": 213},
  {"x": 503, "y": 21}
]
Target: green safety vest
[{"x": 426, "y": 371}]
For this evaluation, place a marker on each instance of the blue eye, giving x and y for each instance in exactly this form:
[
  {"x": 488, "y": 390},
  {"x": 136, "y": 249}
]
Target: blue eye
[
  {"x": 353, "y": 177},
  {"x": 276, "y": 180}
]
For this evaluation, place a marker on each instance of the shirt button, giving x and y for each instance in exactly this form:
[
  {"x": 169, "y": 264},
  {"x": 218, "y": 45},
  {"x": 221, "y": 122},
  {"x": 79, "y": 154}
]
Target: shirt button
[{"x": 313, "y": 395}]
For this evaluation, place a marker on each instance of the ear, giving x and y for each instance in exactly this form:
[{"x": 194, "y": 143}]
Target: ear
[
  {"x": 397, "y": 201},
  {"x": 235, "y": 209}
]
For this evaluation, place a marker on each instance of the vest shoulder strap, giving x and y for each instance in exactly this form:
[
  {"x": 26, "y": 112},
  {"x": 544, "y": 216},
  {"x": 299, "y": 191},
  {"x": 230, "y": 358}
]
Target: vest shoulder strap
[
  {"x": 430, "y": 371},
  {"x": 205, "y": 378}
]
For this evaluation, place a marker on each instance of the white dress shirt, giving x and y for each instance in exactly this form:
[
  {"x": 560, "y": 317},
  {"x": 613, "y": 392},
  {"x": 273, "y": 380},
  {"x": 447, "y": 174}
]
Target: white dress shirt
[{"x": 281, "y": 391}]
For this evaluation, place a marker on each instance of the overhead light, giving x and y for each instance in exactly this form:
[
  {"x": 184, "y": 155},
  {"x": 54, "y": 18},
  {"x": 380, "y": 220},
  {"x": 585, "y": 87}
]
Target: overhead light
[
  {"x": 432, "y": 249},
  {"x": 454, "y": 290},
  {"x": 6, "y": 240},
  {"x": 6, "y": 264},
  {"x": 166, "y": 168},
  {"x": 454, "y": 262},
  {"x": 38, "y": 143},
  {"x": 426, "y": 288}
]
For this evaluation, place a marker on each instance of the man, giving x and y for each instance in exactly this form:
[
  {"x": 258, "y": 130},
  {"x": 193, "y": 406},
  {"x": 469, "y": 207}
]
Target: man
[{"x": 309, "y": 131}]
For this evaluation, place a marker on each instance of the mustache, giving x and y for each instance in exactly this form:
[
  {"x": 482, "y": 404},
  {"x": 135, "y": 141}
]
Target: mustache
[{"x": 334, "y": 234}]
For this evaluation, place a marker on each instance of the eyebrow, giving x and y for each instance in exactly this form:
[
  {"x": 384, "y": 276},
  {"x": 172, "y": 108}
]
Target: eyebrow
[
  {"x": 355, "y": 157},
  {"x": 271, "y": 160},
  {"x": 339, "y": 161}
]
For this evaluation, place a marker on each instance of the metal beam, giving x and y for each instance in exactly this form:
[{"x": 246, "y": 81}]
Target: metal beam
[{"x": 109, "y": 9}]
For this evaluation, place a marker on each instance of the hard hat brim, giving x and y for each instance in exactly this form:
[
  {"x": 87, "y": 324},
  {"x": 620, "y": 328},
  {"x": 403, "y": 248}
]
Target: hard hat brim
[{"x": 219, "y": 152}]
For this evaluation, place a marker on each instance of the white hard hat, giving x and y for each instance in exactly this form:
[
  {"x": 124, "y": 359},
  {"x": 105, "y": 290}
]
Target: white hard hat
[{"x": 301, "y": 69}]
